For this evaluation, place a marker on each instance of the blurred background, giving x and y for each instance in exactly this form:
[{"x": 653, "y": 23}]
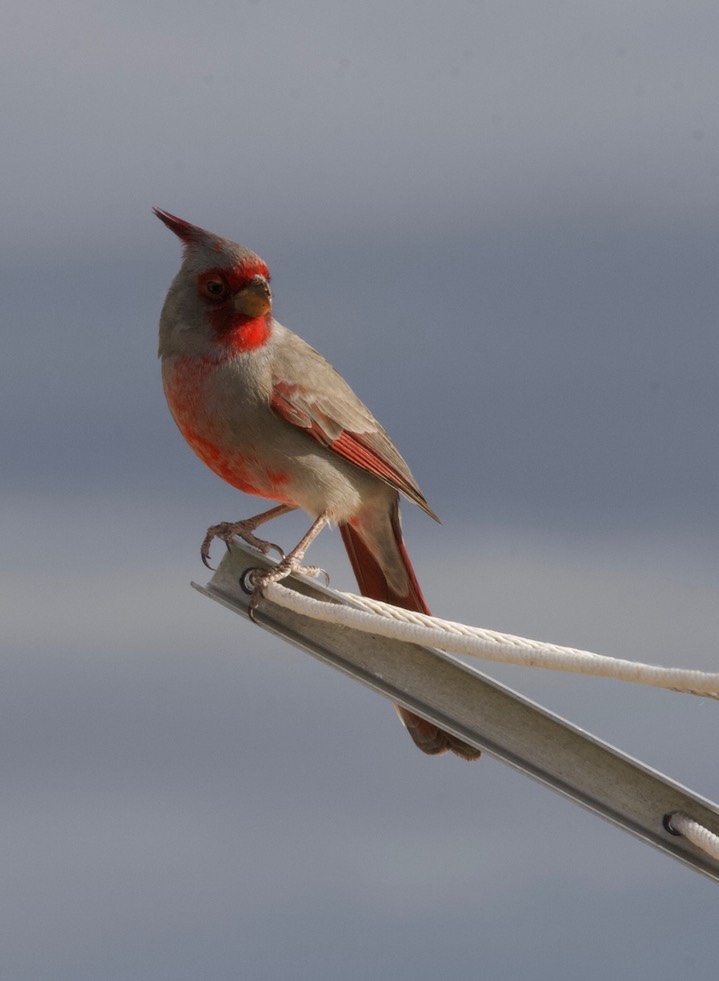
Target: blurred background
[{"x": 499, "y": 222}]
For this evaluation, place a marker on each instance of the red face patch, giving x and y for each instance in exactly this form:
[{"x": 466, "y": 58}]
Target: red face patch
[{"x": 217, "y": 288}]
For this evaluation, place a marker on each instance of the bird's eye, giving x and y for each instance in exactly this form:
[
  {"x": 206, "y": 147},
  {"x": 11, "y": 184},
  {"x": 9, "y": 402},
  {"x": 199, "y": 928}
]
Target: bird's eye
[{"x": 215, "y": 288}]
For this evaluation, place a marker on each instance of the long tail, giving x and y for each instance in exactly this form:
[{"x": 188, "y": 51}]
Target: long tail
[{"x": 373, "y": 582}]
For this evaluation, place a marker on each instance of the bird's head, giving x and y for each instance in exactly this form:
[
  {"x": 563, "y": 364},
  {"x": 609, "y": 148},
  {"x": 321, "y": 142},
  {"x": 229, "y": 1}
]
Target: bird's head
[{"x": 221, "y": 297}]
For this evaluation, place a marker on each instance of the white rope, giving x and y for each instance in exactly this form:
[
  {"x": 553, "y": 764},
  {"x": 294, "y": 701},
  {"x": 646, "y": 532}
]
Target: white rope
[
  {"x": 457, "y": 638},
  {"x": 694, "y": 832}
]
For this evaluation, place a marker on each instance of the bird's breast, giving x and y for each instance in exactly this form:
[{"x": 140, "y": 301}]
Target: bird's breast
[{"x": 222, "y": 414}]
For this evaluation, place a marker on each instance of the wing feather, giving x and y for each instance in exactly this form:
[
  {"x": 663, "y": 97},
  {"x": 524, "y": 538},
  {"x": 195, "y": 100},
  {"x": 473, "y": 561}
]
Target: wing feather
[{"x": 338, "y": 420}]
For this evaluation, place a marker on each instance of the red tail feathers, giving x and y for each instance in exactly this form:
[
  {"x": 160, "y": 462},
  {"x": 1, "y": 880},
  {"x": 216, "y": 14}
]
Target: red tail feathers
[{"x": 373, "y": 583}]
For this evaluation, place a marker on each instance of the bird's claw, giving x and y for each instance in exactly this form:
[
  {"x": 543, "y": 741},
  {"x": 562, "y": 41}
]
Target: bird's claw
[
  {"x": 227, "y": 530},
  {"x": 254, "y": 581},
  {"x": 316, "y": 572}
]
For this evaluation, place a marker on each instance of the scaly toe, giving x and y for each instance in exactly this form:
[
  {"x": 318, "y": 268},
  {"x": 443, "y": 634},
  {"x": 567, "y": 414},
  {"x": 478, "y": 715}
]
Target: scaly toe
[
  {"x": 205, "y": 548},
  {"x": 313, "y": 571},
  {"x": 254, "y": 581},
  {"x": 227, "y": 530}
]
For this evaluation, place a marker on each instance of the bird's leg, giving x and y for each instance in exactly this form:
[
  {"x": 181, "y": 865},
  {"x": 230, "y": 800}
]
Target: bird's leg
[
  {"x": 227, "y": 530},
  {"x": 289, "y": 564}
]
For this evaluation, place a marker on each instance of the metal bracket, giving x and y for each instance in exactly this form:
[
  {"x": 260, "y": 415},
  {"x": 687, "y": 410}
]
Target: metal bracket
[{"x": 484, "y": 713}]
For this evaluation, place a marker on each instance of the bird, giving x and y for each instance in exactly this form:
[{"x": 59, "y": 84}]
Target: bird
[{"x": 270, "y": 416}]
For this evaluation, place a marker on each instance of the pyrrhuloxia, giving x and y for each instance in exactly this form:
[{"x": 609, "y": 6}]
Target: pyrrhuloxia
[{"x": 270, "y": 416}]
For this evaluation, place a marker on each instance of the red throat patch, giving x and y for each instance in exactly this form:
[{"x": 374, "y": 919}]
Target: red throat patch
[{"x": 239, "y": 334}]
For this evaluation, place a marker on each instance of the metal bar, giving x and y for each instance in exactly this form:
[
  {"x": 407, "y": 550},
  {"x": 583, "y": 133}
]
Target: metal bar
[{"x": 485, "y": 714}]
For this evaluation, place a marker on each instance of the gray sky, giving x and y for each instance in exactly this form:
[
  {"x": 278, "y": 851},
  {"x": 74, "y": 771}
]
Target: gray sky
[{"x": 499, "y": 221}]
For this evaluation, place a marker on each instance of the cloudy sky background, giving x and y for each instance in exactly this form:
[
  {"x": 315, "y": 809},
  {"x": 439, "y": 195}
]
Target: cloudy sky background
[{"x": 499, "y": 221}]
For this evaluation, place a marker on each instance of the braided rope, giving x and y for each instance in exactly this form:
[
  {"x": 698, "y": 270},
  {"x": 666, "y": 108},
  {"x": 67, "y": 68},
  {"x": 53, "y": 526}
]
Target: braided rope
[{"x": 458, "y": 638}]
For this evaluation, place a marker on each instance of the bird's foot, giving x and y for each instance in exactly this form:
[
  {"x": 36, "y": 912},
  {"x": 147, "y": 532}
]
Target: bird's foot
[
  {"x": 256, "y": 581},
  {"x": 227, "y": 530}
]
